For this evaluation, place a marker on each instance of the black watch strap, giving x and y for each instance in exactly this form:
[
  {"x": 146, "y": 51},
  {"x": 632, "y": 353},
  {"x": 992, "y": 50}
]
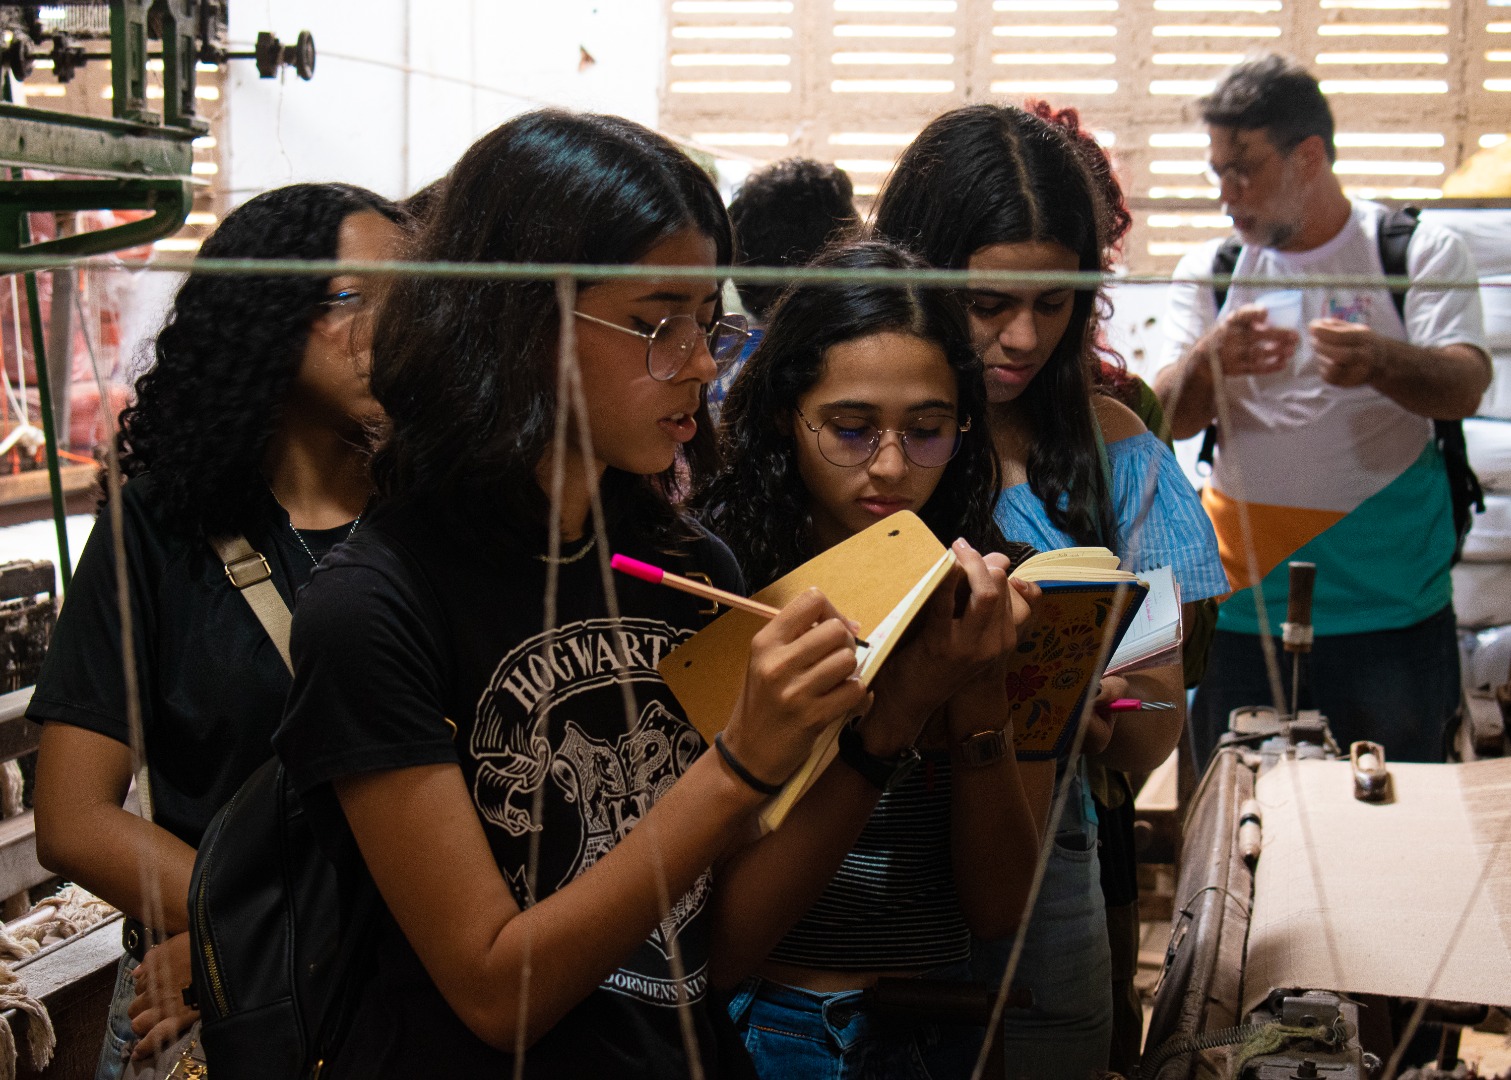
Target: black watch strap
[{"x": 882, "y": 773}]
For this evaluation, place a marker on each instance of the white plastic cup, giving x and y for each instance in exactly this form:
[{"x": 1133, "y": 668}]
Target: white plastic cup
[{"x": 1284, "y": 308}]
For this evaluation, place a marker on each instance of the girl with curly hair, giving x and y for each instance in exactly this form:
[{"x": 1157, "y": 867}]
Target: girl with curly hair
[
  {"x": 998, "y": 188},
  {"x": 478, "y": 722},
  {"x": 251, "y": 420},
  {"x": 862, "y": 401}
]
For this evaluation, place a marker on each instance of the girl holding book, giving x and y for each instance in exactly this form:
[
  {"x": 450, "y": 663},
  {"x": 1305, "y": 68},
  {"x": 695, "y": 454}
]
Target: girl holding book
[
  {"x": 477, "y": 724},
  {"x": 864, "y": 400},
  {"x": 997, "y": 188}
]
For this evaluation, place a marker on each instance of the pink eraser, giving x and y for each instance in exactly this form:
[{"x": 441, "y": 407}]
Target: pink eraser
[
  {"x": 1123, "y": 704},
  {"x": 635, "y": 568}
]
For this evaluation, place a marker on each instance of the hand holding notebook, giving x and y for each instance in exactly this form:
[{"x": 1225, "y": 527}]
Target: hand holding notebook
[{"x": 882, "y": 578}]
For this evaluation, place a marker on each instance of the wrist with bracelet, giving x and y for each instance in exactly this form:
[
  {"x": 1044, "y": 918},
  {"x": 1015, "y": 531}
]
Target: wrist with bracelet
[{"x": 746, "y": 777}]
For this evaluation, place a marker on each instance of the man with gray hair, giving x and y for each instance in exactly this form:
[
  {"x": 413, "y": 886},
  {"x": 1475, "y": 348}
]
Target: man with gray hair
[{"x": 1327, "y": 453}]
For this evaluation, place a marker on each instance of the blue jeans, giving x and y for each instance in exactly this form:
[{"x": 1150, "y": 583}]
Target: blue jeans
[
  {"x": 1066, "y": 1034},
  {"x": 119, "y": 1037},
  {"x": 805, "y": 1035},
  {"x": 1399, "y": 688}
]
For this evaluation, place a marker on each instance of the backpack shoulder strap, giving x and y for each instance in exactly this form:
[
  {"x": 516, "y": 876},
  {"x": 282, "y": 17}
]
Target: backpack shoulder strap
[
  {"x": 1395, "y": 239},
  {"x": 1223, "y": 263},
  {"x": 248, "y": 572}
]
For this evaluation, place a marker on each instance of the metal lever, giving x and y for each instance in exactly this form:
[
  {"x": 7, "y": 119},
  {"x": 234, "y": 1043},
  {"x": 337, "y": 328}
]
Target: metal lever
[
  {"x": 1371, "y": 777},
  {"x": 1296, "y": 631}
]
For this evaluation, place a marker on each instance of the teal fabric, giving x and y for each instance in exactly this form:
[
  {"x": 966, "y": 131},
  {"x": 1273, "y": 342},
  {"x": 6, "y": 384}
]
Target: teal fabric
[{"x": 1371, "y": 574}]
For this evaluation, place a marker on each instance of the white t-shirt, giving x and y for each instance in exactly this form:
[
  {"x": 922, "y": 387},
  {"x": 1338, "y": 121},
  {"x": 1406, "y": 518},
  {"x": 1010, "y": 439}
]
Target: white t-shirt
[
  {"x": 1359, "y": 438},
  {"x": 1314, "y": 461}
]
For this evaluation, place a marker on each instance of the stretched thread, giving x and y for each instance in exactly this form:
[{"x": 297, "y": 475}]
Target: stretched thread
[{"x": 505, "y": 271}]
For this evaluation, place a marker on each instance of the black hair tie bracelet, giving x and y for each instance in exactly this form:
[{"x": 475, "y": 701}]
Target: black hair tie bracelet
[{"x": 754, "y": 782}]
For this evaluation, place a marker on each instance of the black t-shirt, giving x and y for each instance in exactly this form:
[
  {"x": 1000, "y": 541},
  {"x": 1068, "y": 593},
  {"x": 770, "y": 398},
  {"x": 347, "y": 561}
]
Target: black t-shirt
[
  {"x": 429, "y": 618},
  {"x": 212, "y": 685}
]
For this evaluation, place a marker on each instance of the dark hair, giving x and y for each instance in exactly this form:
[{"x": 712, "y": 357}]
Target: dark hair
[
  {"x": 466, "y": 369},
  {"x": 1275, "y": 94},
  {"x": 783, "y": 214},
  {"x": 1106, "y": 367},
  {"x": 206, "y": 408},
  {"x": 990, "y": 174},
  {"x": 419, "y": 204},
  {"x": 758, "y": 503}
]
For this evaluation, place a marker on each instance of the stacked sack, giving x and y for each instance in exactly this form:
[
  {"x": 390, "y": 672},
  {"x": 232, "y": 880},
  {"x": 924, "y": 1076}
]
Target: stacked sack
[{"x": 1482, "y": 582}]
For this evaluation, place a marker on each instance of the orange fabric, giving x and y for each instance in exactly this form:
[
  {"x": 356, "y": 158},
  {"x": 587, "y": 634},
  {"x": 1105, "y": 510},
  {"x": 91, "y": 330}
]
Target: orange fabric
[{"x": 1279, "y": 532}]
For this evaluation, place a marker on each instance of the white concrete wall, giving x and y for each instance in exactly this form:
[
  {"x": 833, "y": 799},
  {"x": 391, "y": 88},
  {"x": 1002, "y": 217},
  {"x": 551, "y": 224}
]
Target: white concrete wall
[{"x": 402, "y": 87}]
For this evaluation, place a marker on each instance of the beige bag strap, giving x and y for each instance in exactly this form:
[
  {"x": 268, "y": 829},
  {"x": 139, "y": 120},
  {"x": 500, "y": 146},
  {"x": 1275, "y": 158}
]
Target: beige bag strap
[{"x": 248, "y": 571}]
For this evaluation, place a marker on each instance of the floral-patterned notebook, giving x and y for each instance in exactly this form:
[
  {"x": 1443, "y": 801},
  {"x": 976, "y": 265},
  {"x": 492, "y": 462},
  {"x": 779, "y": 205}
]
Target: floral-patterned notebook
[{"x": 1074, "y": 628}]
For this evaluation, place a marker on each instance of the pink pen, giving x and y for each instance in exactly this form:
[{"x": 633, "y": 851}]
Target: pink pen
[
  {"x": 657, "y": 576},
  {"x": 1133, "y": 704}
]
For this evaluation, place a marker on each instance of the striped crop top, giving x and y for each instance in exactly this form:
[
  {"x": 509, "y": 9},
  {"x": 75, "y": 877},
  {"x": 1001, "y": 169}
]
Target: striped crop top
[{"x": 892, "y": 905}]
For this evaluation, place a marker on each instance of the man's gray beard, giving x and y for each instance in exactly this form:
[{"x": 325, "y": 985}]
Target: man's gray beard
[{"x": 1280, "y": 234}]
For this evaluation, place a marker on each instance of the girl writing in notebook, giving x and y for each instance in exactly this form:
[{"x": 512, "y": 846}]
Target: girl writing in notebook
[
  {"x": 862, "y": 401},
  {"x": 477, "y": 719},
  {"x": 996, "y": 188}
]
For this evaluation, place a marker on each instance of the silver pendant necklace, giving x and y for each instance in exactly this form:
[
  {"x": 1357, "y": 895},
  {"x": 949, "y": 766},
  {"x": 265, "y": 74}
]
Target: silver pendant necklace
[{"x": 300, "y": 536}]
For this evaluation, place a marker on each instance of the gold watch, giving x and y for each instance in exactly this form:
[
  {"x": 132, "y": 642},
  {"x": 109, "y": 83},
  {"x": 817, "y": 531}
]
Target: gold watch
[{"x": 981, "y": 749}]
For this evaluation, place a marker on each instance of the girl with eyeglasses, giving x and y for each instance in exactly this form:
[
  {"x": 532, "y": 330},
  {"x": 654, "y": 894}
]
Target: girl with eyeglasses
[
  {"x": 252, "y": 420},
  {"x": 477, "y": 721},
  {"x": 998, "y": 188},
  {"x": 863, "y": 401}
]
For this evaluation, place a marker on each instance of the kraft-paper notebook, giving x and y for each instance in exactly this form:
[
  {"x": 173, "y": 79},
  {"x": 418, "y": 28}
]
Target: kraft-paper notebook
[{"x": 881, "y": 578}]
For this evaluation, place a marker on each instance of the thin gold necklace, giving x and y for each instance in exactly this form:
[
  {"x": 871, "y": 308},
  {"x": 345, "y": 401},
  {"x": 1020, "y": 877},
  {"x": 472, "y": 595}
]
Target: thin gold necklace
[{"x": 568, "y": 560}]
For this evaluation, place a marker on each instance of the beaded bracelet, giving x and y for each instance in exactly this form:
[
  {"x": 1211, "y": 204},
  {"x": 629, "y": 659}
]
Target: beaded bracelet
[{"x": 752, "y": 781}]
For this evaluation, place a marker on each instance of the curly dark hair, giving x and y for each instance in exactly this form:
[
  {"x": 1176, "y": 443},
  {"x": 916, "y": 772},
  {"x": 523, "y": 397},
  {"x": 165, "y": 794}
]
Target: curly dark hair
[
  {"x": 992, "y": 174},
  {"x": 466, "y": 369},
  {"x": 783, "y": 214},
  {"x": 758, "y": 503},
  {"x": 206, "y": 408}
]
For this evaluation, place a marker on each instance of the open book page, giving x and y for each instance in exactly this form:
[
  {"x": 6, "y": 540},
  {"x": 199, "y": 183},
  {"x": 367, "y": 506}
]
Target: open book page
[
  {"x": 1155, "y": 635},
  {"x": 1071, "y": 564}
]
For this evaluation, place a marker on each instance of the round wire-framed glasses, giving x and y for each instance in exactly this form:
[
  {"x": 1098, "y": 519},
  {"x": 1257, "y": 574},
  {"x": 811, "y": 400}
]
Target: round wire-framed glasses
[
  {"x": 929, "y": 442},
  {"x": 670, "y": 344}
]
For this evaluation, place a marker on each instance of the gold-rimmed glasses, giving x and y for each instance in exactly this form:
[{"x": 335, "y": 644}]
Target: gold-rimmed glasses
[
  {"x": 670, "y": 343},
  {"x": 849, "y": 441}
]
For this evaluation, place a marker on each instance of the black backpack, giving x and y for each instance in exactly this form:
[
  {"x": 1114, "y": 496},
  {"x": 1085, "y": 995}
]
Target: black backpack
[
  {"x": 1464, "y": 490},
  {"x": 273, "y": 940}
]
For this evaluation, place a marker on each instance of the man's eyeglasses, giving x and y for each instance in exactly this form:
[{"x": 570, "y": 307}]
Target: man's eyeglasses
[
  {"x": 670, "y": 344},
  {"x": 1241, "y": 173},
  {"x": 929, "y": 442}
]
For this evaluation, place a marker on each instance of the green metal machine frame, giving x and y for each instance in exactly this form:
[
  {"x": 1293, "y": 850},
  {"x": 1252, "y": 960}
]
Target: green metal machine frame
[{"x": 139, "y": 159}]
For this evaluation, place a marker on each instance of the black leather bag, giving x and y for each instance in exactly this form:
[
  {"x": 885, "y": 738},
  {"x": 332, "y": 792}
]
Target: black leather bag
[{"x": 274, "y": 941}]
